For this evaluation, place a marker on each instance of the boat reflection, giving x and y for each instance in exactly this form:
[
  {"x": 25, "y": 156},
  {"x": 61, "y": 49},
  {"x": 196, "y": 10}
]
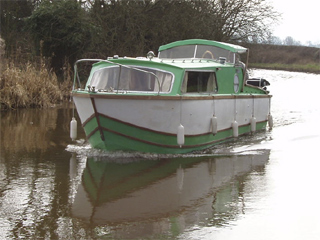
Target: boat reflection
[{"x": 182, "y": 190}]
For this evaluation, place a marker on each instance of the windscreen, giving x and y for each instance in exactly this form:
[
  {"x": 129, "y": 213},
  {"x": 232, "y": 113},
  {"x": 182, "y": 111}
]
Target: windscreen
[{"x": 131, "y": 79}]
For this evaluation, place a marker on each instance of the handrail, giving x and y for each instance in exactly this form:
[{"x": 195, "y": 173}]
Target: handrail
[{"x": 76, "y": 75}]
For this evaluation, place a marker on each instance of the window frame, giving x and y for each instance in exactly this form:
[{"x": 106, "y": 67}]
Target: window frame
[{"x": 212, "y": 74}]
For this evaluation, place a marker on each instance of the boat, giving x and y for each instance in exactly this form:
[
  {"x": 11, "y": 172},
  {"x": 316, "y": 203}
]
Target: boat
[
  {"x": 121, "y": 191},
  {"x": 194, "y": 94}
]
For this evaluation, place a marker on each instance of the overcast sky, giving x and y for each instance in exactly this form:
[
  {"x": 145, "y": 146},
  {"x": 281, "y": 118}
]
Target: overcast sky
[{"x": 300, "y": 20}]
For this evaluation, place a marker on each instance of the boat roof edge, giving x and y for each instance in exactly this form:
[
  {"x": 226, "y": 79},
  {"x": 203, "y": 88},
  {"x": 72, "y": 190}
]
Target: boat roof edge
[{"x": 227, "y": 46}]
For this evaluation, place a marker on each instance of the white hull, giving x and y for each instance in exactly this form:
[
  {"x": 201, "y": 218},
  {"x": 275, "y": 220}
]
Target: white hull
[{"x": 166, "y": 115}]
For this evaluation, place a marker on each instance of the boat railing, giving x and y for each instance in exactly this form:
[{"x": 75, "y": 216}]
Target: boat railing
[{"x": 77, "y": 77}]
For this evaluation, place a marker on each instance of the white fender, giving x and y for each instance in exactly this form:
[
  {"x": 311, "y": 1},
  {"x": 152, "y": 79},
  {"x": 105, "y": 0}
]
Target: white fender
[
  {"x": 235, "y": 128},
  {"x": 180, "y": 135},
  {"x": 73, "y": 129},
  {"x": 253, "y": 124},
  {"x": 214, "y": 124}
]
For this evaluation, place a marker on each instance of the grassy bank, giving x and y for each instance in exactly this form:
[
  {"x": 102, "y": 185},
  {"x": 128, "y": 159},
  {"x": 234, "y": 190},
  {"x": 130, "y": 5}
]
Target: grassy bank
[
  {"x": 289, "y": 58},
  {"x": 310, "y": 68}
]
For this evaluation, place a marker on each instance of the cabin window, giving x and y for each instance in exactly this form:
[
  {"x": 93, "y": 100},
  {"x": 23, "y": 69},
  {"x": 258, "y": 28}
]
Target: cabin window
[
  {"x": 105, "y": 78},
  {"x": 196, "y": 82},
  {"x": 186, "y": 51},
  {"x": 212, "y": 52},
  {"x": 131, "y": 79}
]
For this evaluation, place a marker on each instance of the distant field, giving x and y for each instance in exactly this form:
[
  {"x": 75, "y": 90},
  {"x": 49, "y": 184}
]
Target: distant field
[
  {"x": 290, "y": 58},
  {"x": 312, "y": 68}
]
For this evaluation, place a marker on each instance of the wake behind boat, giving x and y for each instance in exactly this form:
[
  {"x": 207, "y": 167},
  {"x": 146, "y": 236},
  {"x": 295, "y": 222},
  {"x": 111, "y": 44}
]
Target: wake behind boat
[{"x": 193, "y": 95}]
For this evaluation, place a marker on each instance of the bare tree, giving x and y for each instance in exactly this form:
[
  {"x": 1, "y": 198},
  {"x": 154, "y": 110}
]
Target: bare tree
[
  {"x": 133, "y": 27},
  {"x": 290, "y": 41},
  {"x": 242, "y": 20}
]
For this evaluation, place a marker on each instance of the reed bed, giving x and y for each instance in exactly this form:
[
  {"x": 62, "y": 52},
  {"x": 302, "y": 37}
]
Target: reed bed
[{"x": 29, "y": 86}]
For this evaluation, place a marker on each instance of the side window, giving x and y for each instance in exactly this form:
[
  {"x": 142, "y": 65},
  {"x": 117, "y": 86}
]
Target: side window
[{"x": 195, "y": 81}]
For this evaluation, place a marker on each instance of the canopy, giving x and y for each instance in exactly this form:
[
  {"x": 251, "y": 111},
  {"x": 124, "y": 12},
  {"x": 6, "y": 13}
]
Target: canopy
[{"x": 226, "y": 46}]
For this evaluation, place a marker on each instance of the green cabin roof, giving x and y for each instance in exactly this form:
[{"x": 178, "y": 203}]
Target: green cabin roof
[{"x": 227, "y": 46}]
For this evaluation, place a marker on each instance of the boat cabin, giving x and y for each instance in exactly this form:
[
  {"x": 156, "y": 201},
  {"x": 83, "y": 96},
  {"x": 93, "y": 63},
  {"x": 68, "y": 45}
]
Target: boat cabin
[{"x": 182, "y": 67}]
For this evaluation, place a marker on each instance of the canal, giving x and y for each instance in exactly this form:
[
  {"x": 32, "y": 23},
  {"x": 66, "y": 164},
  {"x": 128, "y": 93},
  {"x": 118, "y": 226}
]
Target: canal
[{"x": 261, "y": 186}]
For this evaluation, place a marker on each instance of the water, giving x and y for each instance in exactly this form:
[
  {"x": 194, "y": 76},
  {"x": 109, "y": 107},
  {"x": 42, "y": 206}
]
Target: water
[{"x": 263, "y": 186}]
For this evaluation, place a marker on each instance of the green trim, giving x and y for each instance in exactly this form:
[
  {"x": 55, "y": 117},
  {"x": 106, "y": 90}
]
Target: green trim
[{"x": 227, "y": 46}]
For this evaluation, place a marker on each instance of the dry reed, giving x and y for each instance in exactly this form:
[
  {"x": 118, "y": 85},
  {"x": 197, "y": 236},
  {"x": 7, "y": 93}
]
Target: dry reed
[{"x": 27, "y": 86}]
